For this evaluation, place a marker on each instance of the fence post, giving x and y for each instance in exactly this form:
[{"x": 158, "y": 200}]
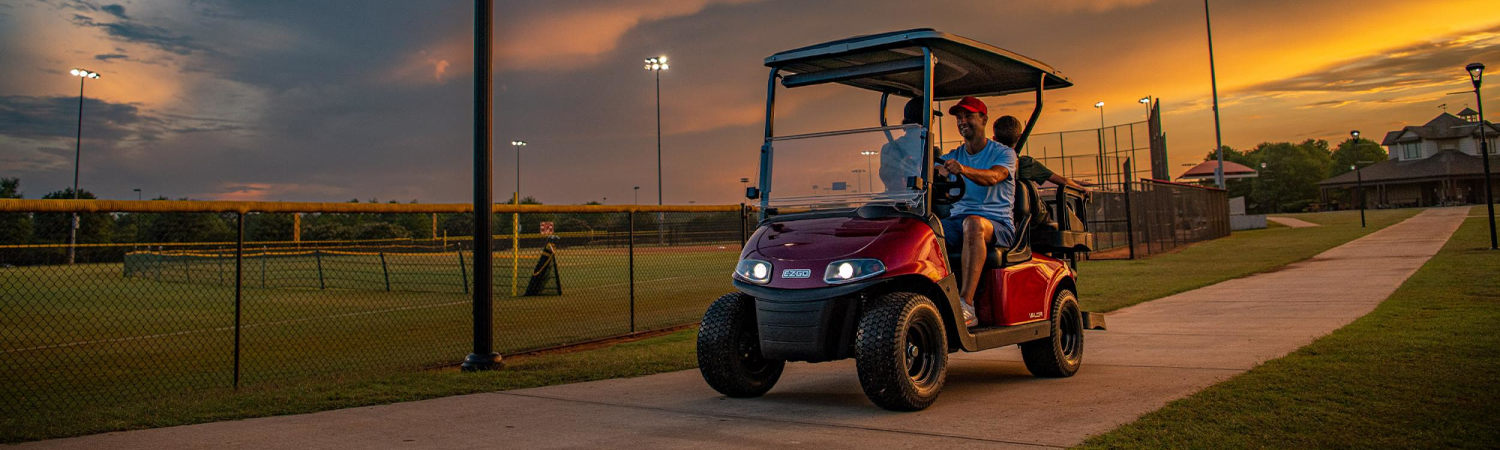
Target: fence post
[
  {"x": 385, "y": 270},
  {"x": 631, "y": 247},
  {"x": 239, "y": 255},
  {"x": 1129, "y": 217},
  {"x": 744, "y": 238},
  {"x": 462, "y": 272},
  {"x": 263, "y": 266},
  {"x": 318, "y": 254}
]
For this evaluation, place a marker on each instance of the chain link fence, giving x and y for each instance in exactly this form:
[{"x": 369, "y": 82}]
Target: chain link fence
[
  {"x": 146, "y": 313},
  {"x": 1146, "y": 217}
]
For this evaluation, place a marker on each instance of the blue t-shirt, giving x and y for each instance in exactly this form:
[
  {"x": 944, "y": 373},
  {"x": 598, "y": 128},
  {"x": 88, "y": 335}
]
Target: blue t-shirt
[{"x": 990, "y": 202}]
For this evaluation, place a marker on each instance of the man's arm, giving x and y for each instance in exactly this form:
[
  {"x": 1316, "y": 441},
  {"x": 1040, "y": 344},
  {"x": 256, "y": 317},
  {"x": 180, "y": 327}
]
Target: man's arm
[{"x": 983, "y": 177}]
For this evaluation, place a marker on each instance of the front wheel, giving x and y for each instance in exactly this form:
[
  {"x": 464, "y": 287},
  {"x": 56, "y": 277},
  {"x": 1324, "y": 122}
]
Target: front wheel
[
  {"x": 729, "y": 349},
  {"x": 1058, "y": 355},
  {"x": 901, "y": 352}
]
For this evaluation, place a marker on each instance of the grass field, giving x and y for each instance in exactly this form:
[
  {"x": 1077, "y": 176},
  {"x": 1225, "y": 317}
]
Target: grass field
[
  {"x": 1418, "y": 372},
  {"x": 307, "y": 349},
  {"x": 84, "y": 335}
]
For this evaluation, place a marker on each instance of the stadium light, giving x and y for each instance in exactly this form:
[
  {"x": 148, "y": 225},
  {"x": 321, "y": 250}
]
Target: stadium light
[
  {"x": 82, "y": 74},
  {"x": 656, "y": 65},
  {"x": 1476, "y": 76}
]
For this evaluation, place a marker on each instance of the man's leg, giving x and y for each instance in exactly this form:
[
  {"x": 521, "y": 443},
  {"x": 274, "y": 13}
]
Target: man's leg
[{"x": 978, "y": 233}]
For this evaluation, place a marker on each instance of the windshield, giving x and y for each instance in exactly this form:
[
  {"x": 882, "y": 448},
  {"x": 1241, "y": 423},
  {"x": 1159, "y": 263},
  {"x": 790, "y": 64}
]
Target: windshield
[{"x": 846, "y": 169}]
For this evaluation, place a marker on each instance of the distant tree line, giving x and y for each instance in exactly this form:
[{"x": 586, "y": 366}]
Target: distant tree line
[
  {"x": 1289, "y": 180},
  {"x": 148, "y": 228}
]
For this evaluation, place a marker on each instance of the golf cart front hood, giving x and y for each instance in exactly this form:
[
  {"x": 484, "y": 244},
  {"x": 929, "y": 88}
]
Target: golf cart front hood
[{"x": 819, "y": 239}]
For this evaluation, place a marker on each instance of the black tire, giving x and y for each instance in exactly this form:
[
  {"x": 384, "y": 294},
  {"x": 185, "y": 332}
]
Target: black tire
[
  {"x": 1061, "y": 354},
  {"x": 901, "y": 351},
  {"x": 729, "y": 349}
]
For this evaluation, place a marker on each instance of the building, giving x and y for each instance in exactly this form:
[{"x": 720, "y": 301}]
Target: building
[{"x": 1436, "y": 163}]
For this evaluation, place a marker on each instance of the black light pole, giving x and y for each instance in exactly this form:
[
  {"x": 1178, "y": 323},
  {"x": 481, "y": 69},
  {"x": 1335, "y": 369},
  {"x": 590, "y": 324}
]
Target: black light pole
[
  {"x": 1214, "y": 82},
  {"x": 137, "y": 194},
  {"x": 77, "y": 152},
  {"x": 1476, "y": 75},
  {"x": 1103, "y": 160},
  {"x": 1359, "y": 183},
  {"x": 484, "y": 356},
  {"x": 656, "y": 65}
]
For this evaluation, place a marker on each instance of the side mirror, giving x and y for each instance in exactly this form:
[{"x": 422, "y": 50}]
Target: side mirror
[{"x": 752, "y": 193}]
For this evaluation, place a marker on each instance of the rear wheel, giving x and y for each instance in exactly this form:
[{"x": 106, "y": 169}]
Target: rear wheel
[
  {"x": 729, "y": 349},
  {"x": 1060, "y": 354},
  {"x": 901, "y": 352}
]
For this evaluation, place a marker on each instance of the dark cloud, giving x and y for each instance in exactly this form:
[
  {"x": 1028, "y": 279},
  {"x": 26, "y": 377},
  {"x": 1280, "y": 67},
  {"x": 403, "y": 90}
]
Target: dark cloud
[
  {"x": 136, "y": 32},
  {"x": 27, "y": 117},
  {"x": 1419, "y": 65},
  {"x": 110, "y": 56},
  {"x": 114, "y": 10}
]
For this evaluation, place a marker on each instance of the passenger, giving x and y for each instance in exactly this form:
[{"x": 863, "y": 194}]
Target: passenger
[
  {"x": 983, "y": 216},
  {"x": 902, "y": 158},
  {"x": 1008, "y": 132}
]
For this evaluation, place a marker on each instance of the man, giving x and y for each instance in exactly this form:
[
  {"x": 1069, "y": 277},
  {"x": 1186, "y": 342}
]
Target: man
[
  {"x": 902, "y": 157},
  {"x": 983, "y": 216},
  {"x": 1007, "y": 132}
]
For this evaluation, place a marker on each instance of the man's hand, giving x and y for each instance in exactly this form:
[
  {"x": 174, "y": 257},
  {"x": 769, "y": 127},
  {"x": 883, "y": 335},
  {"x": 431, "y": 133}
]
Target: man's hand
[{"x": 952, "y": 166}]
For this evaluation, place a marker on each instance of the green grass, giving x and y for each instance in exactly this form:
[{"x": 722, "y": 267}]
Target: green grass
[
  {"x": 1114, "y": 284},
  {"x": 75, "y": 339},
  {"x": 666, "y": 353},
  {"x": 1418, "y": 372}
]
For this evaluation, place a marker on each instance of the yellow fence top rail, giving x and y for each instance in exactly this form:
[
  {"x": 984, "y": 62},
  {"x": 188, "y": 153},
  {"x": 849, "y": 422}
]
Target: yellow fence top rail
[{"x": 187, "y": 206}]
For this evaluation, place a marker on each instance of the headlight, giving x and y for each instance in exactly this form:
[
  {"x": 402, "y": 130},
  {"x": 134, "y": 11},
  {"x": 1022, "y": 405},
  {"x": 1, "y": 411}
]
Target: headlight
[
  {"x": 840, "y": 272},
  {"x": 754, "y": 271}
]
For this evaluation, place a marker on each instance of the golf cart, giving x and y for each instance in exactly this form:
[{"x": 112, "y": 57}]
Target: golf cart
[{"x": 839, "y": 267}]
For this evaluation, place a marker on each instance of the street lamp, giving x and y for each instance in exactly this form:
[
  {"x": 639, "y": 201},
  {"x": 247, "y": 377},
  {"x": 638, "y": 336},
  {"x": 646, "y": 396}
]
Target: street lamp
[
  {"x": 1213, "y": 79},
  {"x": 137, "y": 194},
  {"x": 82, "y": 75},
  {"x": 515, "y": 224},
  {"x": 1146, "y": 101},
  {"x": 1476, "y": 75},
  {"x": 637, "y": 195},
  {"x": 1359, "y": 184},
  {"x": 1102, "y": 171},
  {"x": 858, "y": 181}
]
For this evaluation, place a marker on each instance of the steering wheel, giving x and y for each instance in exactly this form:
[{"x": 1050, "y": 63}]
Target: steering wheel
[{"x": 947, "y": 190}]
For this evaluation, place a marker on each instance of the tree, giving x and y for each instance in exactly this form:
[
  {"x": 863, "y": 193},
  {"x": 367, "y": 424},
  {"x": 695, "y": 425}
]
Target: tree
[
  {"x": 15, "y": 228},
  {"x": 1352, "y": 151}
]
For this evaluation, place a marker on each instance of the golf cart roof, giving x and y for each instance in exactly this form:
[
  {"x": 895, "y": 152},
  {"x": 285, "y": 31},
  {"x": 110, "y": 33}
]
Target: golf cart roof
[{"x": 891, "y": 62}]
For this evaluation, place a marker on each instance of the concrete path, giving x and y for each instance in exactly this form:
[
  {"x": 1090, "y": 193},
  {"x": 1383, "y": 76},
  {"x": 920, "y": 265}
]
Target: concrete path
[
  {"x": 1294, "y": 223},
  {"x": 1154, "y": 353}
]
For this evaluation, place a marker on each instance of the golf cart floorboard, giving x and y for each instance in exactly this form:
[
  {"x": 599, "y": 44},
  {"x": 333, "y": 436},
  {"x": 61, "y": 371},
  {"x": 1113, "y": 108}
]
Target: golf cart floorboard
[{"x": 998, "y": 336}]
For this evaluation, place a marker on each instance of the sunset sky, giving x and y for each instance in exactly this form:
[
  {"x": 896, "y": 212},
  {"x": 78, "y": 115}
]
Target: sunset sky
[{"x": 328, "y": 101}]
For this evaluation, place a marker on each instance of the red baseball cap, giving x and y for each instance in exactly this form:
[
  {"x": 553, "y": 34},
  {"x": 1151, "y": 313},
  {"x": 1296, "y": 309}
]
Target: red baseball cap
[{"x": 971, "y": 104}]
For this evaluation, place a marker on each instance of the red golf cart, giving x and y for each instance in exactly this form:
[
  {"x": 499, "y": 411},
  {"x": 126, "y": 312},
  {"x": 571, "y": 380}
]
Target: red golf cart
[{"x": 845, "y": 264}]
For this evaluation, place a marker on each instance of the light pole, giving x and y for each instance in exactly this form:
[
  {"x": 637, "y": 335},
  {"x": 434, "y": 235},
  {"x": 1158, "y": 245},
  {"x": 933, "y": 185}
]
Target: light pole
[
  {"x": 637, "y": 195},
  {"x": 1359, "y": 186},
  {"x": 1146, "y": 101},
  {"x": 137, "y": 194},
  {"x": 859, "y": 181},
  {"x": 77, "y": 152},
  {"x": 656, "y": 65},
  {"x": 515, "y": 225},
  {"x": 1102, "y": 171},
  {"x": 1476, "y": 75},
  {"x": 1213, "y": 79},
  {"x": 869, "y": 180}
]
